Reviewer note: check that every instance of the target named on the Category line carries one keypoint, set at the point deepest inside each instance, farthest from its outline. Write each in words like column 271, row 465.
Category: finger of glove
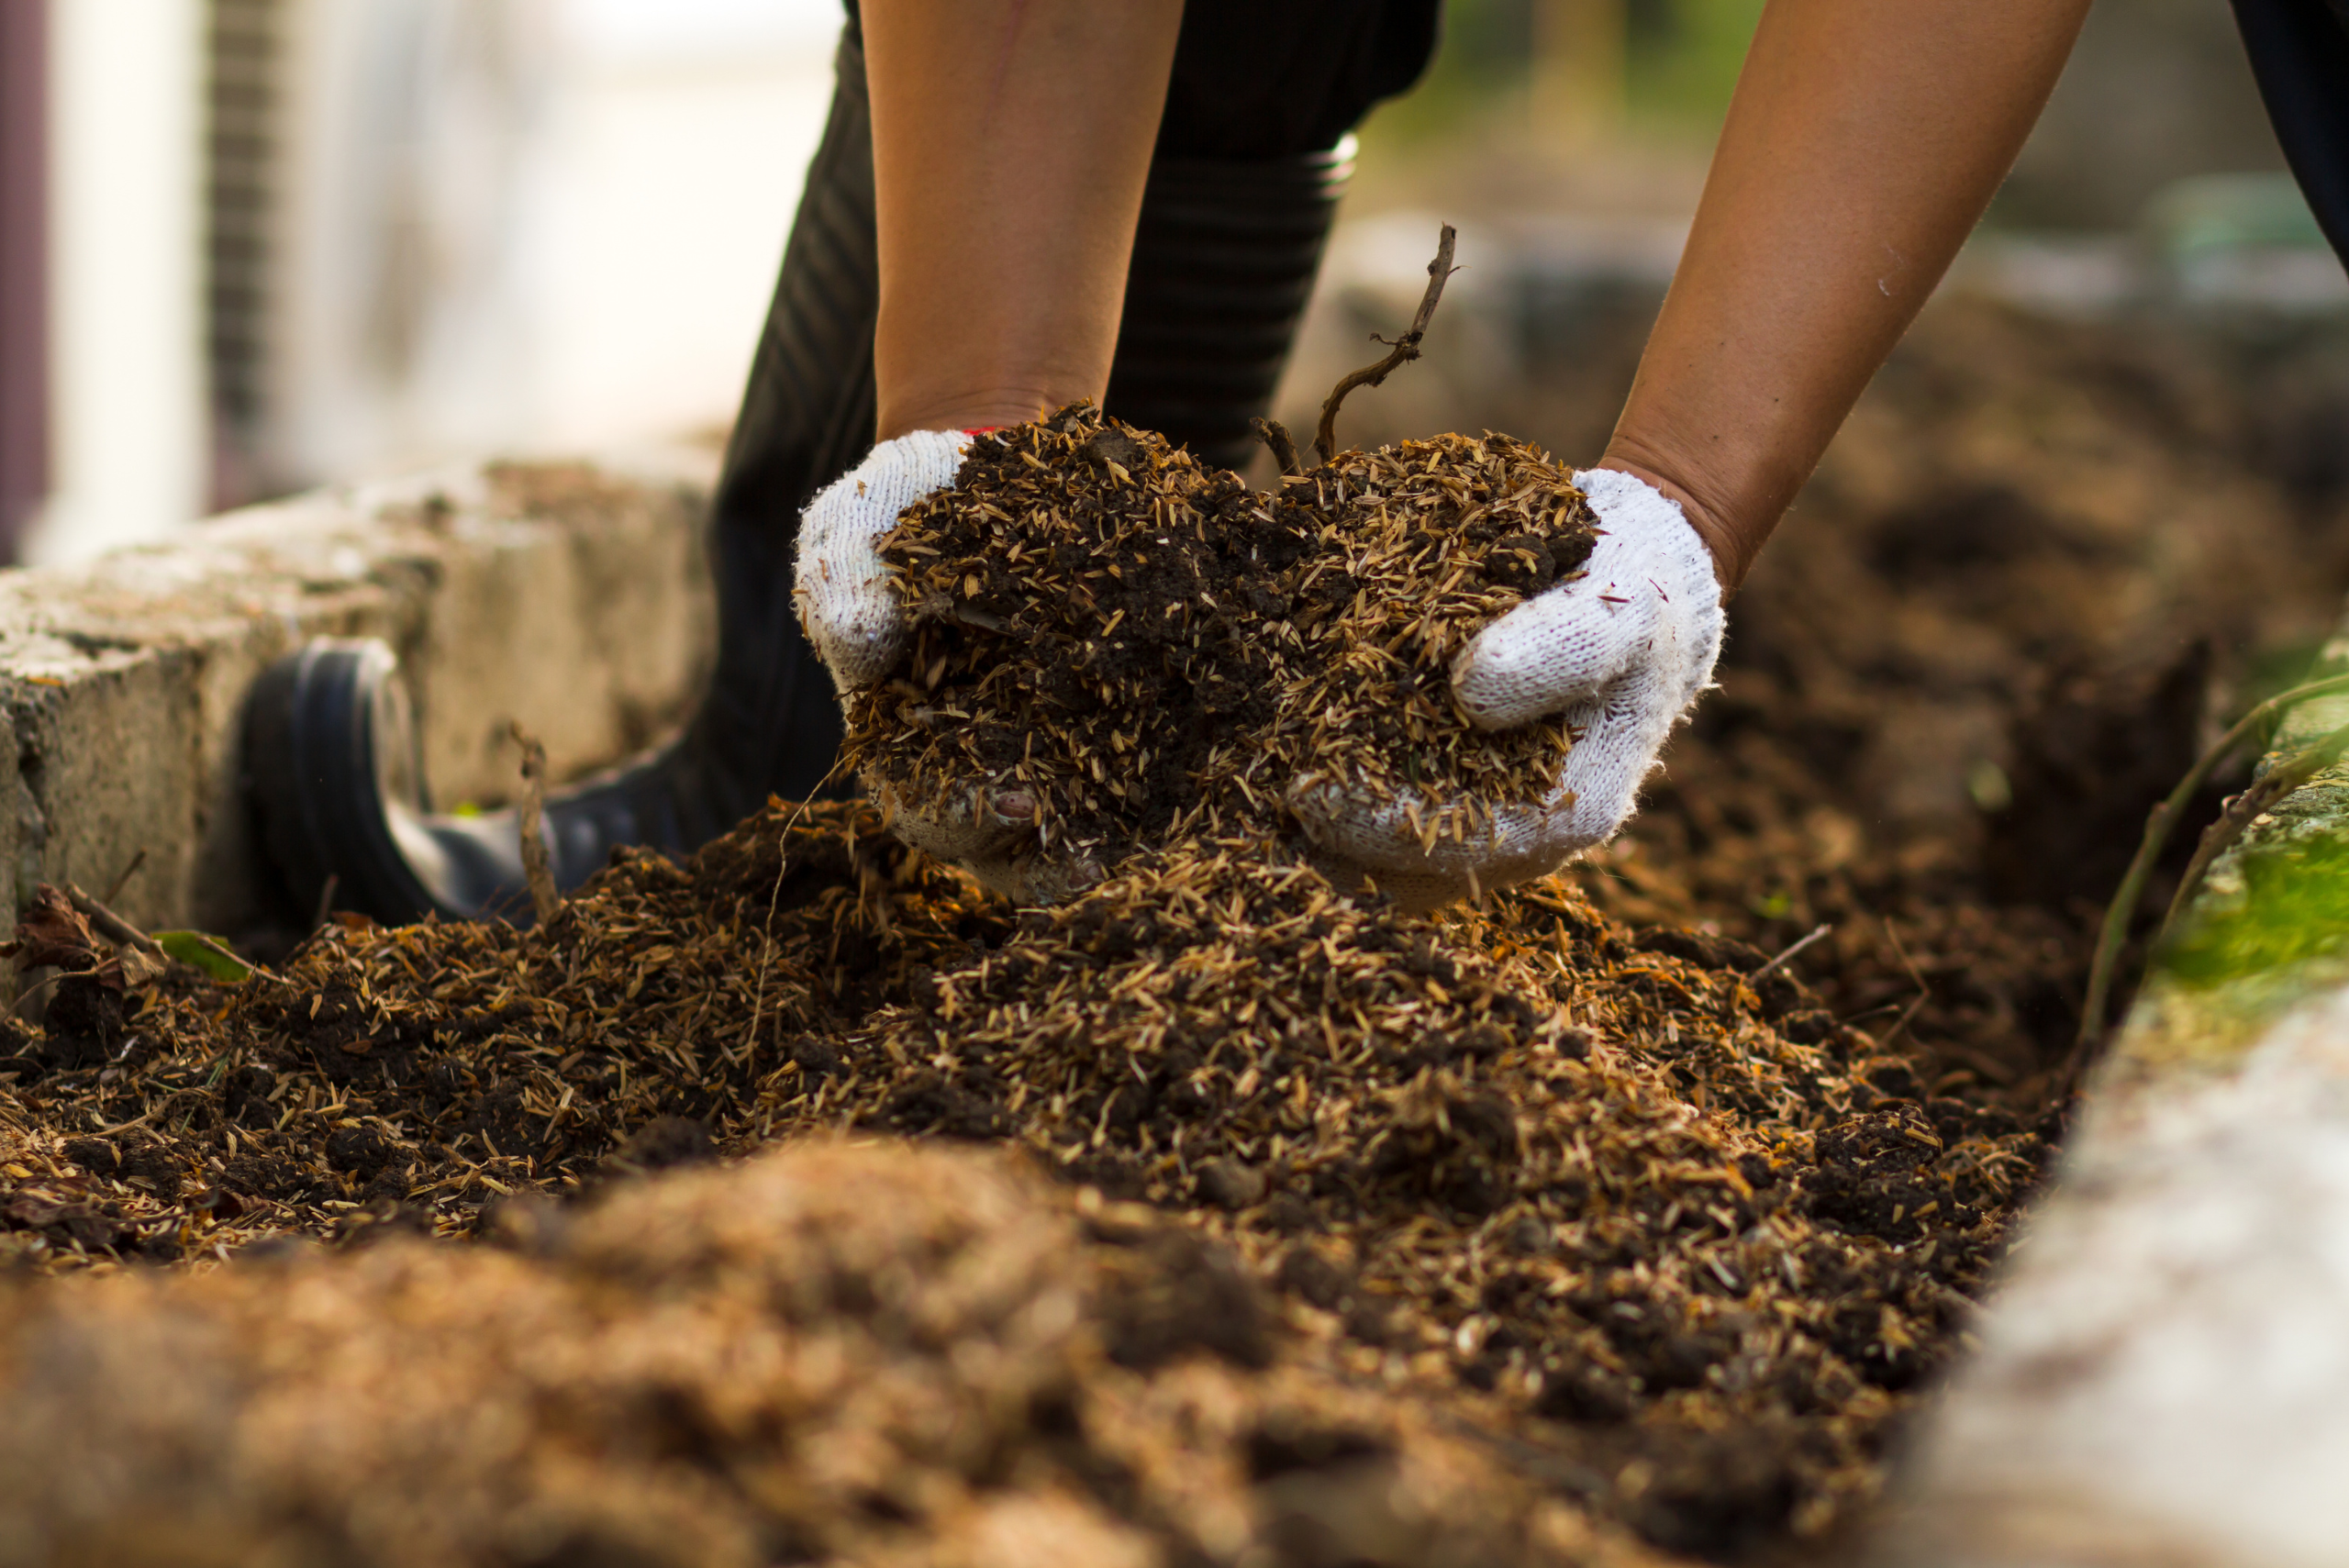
column 841, row 584
column 1554, row 651
column 1617, row 739
column 1390, row 842
column 977, row 824
column 991, row 833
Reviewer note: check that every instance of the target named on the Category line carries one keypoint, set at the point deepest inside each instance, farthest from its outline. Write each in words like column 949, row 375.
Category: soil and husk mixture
column 806, row 1203
column 1151, row 651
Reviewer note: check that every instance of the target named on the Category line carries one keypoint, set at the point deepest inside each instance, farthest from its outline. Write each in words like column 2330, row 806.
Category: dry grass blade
column 2113, row 935
column 1790, row 952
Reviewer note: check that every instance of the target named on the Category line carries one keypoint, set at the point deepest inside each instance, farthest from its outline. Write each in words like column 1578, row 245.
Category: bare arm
column 1865, row 139
column 1010, row 142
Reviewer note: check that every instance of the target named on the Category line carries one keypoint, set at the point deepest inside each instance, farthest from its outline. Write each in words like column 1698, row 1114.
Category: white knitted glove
column 991, row 833
column 859, row 632
column 1620, row 652
column 843, row 587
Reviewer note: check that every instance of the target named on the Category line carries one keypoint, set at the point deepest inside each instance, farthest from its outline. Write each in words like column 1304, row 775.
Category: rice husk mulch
column 906, row 1358
column 1660, row 1236
column 747, row 1205
column 1151, row 650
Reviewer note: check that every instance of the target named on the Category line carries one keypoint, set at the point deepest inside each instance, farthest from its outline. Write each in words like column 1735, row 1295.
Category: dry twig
column 1274, row 434
column 1784, row 958
column 122, row 878
column 111, row 926
column 545, row 899
column 1403, row 349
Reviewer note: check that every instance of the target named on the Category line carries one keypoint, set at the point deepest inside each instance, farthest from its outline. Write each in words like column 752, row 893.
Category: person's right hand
column 842, row 585
column 860, row 629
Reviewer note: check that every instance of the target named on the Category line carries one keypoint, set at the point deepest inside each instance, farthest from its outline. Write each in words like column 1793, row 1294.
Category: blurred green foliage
column 1684, row 57
column 2294, row 908
column 1681, row 64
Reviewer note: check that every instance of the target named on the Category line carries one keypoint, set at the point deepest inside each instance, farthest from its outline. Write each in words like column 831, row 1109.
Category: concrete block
column 2162, row 1376
column 569, row 595
column 107, row 762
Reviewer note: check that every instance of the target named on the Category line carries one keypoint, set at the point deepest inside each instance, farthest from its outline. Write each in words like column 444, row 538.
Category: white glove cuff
column 1630, row 505
column 842, row 585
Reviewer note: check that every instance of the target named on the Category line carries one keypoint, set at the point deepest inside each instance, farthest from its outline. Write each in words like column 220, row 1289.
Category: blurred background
column 248, row 246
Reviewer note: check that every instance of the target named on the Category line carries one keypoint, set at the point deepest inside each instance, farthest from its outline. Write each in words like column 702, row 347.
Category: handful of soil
column 1150, row 648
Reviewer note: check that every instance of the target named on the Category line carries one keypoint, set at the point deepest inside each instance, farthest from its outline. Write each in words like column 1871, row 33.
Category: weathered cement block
column 569, row 597
column 108, row 755
column 569, row 584
column 2162, row 1377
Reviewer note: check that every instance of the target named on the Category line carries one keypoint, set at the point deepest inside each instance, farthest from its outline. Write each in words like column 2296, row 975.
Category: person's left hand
column 1621, row 652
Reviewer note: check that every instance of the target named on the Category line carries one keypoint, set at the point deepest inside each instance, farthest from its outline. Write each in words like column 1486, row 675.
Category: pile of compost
column 1149, row 650
column 905, row 1358
column 808, row 1203
column 1633, row 1202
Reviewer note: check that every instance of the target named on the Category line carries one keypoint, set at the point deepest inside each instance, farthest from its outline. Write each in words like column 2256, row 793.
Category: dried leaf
column 52, row 934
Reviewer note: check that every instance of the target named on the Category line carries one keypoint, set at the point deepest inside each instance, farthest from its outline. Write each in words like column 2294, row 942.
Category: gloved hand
column 841, row 583
column 860, row 631
column 1620, row 652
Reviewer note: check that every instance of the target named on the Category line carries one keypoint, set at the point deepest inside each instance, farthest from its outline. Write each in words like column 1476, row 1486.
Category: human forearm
column 1011, row 140
column 1865, row 141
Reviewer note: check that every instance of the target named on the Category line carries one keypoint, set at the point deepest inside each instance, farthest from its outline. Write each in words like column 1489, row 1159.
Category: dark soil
column 1148, row 648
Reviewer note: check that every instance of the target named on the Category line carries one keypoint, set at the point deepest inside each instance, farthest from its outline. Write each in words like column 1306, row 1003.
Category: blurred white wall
column 492, row 225
column 681, row 133
column 128, row 429
column 531, row 223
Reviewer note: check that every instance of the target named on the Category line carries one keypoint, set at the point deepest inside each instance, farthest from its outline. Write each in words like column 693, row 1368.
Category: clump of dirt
column 831, row 1355
column 1632, row 1201
column 1149, row 649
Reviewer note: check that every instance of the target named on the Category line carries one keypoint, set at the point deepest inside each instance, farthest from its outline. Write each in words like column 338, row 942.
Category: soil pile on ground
column 905, row 1358
column 1149, row 649
column 1633, row 1203
column 1574, row 1195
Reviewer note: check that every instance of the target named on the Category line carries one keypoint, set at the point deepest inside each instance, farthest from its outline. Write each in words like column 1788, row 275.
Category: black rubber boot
column 1224, row 258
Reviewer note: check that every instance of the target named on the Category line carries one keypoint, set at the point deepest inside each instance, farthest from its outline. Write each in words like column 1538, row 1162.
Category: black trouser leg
column 2300, row 52
column 1224, row 259
column 771, row 723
